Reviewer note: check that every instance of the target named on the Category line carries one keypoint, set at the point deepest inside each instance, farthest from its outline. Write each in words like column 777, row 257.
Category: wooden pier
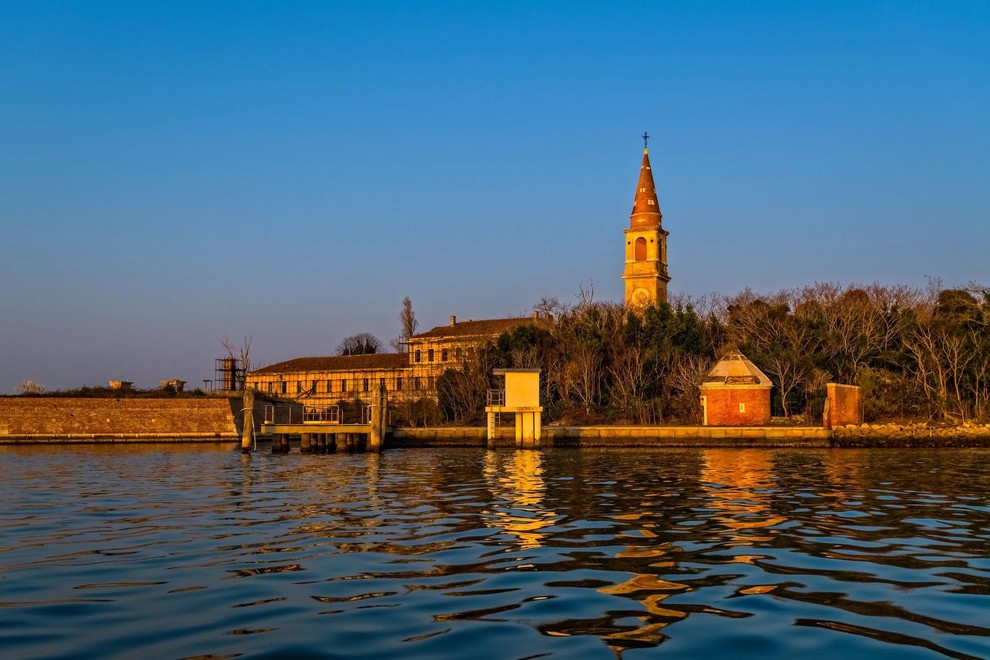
column 325, row 438
column 321, row 430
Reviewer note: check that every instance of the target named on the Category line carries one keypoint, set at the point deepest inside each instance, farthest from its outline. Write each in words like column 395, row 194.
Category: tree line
column 918, row 354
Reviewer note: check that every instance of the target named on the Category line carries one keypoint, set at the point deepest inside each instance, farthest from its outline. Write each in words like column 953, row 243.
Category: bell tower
column 646, row 244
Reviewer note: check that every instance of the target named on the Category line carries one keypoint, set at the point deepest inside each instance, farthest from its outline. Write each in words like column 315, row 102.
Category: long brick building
column 409, row 375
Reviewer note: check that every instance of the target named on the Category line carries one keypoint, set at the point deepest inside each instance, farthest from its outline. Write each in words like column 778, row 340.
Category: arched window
column 640, row 249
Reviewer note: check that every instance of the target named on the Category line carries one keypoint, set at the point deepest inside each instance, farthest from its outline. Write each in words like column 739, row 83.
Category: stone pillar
column 525, row 423
column 519, row 430
column 247, row 429
column 305, row 443
column 377, row 428
column 340, row 441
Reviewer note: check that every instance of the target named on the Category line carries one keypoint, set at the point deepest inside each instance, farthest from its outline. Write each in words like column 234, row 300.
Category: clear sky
column 174, row 172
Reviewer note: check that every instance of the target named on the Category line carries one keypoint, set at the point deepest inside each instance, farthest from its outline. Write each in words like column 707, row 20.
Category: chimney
column 453, row 320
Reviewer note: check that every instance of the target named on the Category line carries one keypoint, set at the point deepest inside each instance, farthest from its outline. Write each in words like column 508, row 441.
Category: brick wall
column 724, row 404
column 844, row 405
column 58, row 417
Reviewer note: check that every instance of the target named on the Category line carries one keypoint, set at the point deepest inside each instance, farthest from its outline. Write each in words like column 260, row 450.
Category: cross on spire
column 646, row 139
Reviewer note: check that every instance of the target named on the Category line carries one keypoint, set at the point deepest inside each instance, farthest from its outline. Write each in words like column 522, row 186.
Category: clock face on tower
column 640, row 298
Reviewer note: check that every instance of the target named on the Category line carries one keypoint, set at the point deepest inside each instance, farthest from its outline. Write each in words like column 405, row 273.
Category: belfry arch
column 640, row 249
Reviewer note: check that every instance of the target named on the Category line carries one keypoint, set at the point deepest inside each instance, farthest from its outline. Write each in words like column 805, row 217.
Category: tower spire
column 646, row 206
column 645, row 274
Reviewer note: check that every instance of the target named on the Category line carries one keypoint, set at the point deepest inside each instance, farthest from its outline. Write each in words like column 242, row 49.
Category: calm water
column 199, row 551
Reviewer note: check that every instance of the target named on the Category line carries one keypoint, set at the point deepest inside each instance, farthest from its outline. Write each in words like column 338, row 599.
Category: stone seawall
column 37, row 420
column 622, row 436
column 865, row 435
column 53, row 419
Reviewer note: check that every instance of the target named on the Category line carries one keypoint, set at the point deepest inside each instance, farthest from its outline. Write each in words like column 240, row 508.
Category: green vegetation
column 921, row 355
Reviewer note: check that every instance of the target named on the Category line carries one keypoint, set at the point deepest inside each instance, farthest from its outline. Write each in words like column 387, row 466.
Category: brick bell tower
column 646, row 244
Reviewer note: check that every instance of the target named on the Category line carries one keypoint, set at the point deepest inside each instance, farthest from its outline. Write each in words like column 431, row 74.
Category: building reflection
column 516, row 482
column 737, row 484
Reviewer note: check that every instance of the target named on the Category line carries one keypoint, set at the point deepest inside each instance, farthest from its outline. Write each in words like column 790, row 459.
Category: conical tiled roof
column 736, row 369
column 646, row 206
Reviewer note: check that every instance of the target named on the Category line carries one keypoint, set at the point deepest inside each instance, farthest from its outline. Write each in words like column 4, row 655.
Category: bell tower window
column 640, row 249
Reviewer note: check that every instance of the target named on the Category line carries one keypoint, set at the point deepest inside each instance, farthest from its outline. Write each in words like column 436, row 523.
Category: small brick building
column 735, row 393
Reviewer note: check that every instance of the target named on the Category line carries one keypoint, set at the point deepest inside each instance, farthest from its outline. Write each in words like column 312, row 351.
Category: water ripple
column 197, row 551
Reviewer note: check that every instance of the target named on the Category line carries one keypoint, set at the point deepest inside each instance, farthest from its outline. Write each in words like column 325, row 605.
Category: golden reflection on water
column 737, row 484
column 517, row 478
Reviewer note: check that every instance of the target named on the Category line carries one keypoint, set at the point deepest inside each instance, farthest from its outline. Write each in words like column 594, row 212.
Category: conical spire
column 646, row 207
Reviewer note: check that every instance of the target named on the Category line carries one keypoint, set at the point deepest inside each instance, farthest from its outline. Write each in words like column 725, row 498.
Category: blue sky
column 171, row 173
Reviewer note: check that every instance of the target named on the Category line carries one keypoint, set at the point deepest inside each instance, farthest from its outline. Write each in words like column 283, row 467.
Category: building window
column 329, row 385
column 417, row 383
column 271, row 387
column 417, row 356
column 285, row 387
column 429, row 355
column 443, row 355
column 398, row 383
column 299, row 386
column 640, row 249
column 365, row 384
column 343, row 385
column 314, row 386
column 742, row 407
column 457, row 353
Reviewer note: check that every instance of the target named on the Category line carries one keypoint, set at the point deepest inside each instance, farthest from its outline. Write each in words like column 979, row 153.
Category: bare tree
column 241, row 355
column 630, row 372
column 940, row 359
column 408, row 325
column 363, row 343
column 462, row 391
column 781, row 341
column 686, row 376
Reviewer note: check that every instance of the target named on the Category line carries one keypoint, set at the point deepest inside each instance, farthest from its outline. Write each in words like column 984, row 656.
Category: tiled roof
column 736, row 369
column 490, row 327
column 338, row 363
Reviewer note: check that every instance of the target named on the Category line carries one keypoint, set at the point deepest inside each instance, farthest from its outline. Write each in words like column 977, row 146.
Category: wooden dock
column 321, row 430
column 320, row 438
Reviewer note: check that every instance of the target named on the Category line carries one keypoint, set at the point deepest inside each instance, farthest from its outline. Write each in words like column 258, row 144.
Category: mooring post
column 377, row 419
column 305, row 443
column 247, row 426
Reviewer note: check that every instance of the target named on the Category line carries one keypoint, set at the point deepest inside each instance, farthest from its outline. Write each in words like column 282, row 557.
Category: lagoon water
column 181, row 551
